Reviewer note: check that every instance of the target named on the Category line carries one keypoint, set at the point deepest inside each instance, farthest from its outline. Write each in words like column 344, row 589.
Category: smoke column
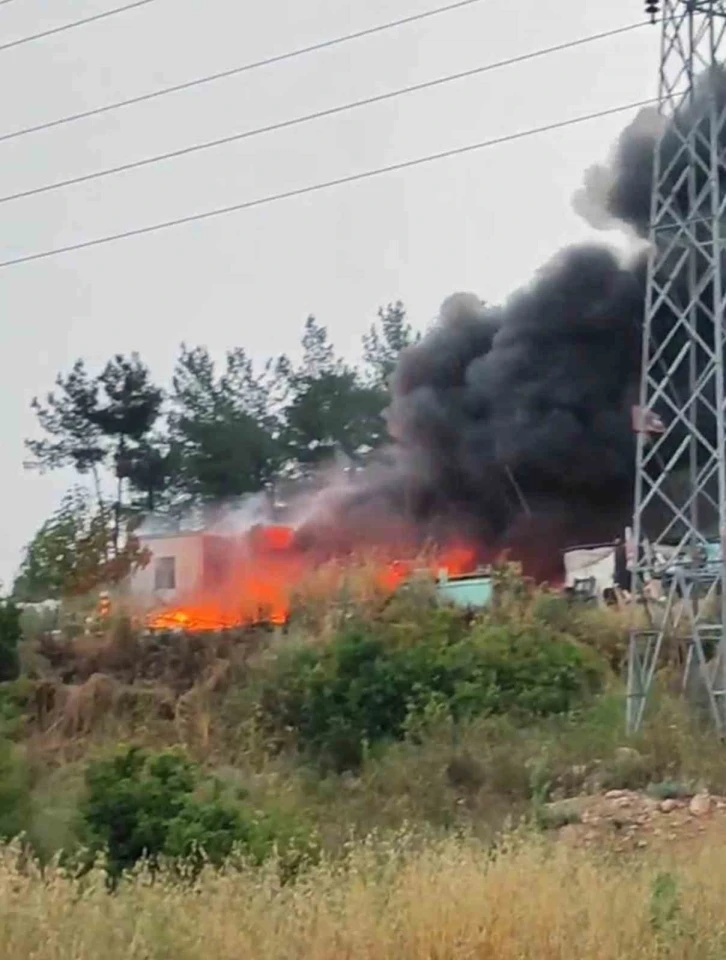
column 512, row 425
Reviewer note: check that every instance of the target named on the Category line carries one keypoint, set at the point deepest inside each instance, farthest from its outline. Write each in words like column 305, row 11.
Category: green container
column 472, row 591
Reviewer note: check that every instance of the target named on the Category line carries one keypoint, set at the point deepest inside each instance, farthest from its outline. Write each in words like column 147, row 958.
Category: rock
column 700, row 804
column 668, row 806
column 627, row 755
column 615, row 794
column 622, row 802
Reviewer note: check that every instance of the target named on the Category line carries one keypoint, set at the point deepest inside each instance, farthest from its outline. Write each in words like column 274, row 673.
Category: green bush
column 366, row 685
column 524, row 669
column 152, row 806
column 10, row 634
column 15, row 696
column 14, row 792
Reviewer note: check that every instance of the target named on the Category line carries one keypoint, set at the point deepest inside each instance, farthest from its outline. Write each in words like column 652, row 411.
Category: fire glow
column 256, row 578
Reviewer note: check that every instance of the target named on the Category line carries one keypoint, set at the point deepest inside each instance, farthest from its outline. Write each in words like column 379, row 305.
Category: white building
column 193, row 553
column 176, row 567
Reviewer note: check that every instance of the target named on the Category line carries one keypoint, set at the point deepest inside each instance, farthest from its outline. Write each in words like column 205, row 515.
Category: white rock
column 700, row 804
column 667, row 806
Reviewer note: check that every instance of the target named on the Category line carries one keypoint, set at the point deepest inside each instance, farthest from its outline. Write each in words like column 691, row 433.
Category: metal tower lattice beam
column 680, row 491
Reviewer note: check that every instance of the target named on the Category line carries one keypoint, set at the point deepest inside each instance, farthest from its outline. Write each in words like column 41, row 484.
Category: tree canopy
column 74, row 551
column 223, row 428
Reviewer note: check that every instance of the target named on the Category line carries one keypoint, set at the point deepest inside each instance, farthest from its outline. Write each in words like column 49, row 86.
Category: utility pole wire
column 73, row 24
column 325, row 185
column 235, row 71
column 308, row 117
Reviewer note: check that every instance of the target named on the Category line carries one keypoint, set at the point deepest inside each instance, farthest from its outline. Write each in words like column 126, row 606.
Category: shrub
column 524, row 669
column 152, row 806
column 669, row 790
column 14, row 700
column 366, row 685
column 14, row 792
column 604, row 629
column 10, row 634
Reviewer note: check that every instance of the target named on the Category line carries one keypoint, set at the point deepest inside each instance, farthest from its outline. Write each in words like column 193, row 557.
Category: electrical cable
column 307, row 118
column 73, row 24
column 234, row 71
column 325, row 185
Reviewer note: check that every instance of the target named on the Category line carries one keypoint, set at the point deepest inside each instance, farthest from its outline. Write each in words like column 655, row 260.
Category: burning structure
column 253, row 578
column 217, row 579
column 511, row 426
column 515, row 424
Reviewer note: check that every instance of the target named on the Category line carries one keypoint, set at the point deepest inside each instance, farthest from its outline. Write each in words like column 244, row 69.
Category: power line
column 325, row 185
column 307, row 118
column 234, row 71
column 73, row 24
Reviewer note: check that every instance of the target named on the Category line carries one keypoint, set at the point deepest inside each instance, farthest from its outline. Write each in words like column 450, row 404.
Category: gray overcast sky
column 479, row 222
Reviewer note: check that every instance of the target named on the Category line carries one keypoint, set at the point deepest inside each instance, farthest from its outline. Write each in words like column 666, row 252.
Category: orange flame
column 259, row 574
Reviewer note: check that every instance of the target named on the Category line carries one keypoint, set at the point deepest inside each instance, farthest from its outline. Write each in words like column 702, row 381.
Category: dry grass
column 333, row 592
column 530, row 901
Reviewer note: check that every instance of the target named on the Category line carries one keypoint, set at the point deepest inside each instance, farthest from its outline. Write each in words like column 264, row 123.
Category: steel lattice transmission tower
column 679, row 574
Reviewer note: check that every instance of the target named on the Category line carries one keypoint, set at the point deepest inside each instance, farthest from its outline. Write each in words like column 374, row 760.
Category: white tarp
column 584, row 562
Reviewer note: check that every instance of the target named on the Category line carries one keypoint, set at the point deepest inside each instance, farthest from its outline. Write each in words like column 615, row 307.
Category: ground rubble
column 631, row 819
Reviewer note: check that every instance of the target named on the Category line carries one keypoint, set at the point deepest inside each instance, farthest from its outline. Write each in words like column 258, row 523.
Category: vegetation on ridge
column 376, row 752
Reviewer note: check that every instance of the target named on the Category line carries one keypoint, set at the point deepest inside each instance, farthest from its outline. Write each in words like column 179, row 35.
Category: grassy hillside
column 341, row 787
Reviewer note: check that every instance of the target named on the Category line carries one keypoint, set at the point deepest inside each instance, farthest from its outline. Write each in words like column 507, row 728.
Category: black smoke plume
column 511, row 425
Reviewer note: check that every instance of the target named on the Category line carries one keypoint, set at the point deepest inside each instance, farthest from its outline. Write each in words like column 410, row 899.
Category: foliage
column 10, row 635
column 129, row 404
column 224, row 428
column 103, row 421
column 330, row 409
column 606, row 630
column 384, row 342
column 669, row 790
column 149, row 466
column 148, row 805
column 223, row 431
column 73, row 439
column 14, row 791
column 76, row 550
column 665, row 907
column 366, row 685
column 15, row 695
